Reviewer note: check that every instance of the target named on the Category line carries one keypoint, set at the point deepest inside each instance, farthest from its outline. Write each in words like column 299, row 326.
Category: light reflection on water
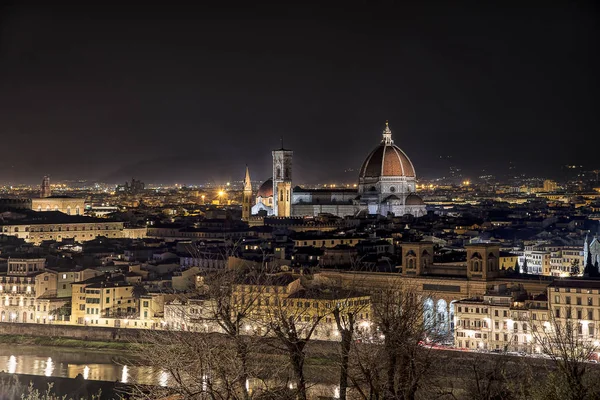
column 38, row 360
column 102, row 366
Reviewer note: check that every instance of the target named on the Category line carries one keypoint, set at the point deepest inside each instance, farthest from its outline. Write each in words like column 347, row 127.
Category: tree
column 404, row 325
column 563, row 341
column 517, row 268
column 293, row 325
column 588, row 270
column 346, row 315
column 575, row 271
column 525, row 272
column 139, row 291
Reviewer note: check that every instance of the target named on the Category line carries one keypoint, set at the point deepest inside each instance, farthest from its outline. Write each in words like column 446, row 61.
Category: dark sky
column 177, row 94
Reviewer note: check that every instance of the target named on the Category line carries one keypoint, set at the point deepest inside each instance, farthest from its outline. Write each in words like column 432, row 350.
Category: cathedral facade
column 386, row 186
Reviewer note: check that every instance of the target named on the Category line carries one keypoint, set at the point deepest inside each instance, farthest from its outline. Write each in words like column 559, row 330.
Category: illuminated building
column 247, row 196
column 45, row 188
column 386, row 185
column 64, row 204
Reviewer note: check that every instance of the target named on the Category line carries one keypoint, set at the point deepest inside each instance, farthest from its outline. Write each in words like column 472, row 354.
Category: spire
column 247, row 182
column 387, row 134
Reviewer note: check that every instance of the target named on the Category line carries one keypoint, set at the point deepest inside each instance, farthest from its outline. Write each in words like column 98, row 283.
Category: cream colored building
column 577, row 301
column 64, row 204
column 498, row 322
column 28, row 292
column 80, row 230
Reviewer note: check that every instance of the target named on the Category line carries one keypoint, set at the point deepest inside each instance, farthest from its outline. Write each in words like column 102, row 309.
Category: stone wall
column 70, row 331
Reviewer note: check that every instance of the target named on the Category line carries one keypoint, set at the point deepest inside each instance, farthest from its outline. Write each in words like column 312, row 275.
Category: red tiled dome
column 414, row 200
column 266, row 189
column 387, row 160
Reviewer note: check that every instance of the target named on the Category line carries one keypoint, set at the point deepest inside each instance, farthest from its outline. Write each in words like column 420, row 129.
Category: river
column 63, row 362
column 100, row 365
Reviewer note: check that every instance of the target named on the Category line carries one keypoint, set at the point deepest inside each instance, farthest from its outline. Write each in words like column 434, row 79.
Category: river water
column 68, row 363
column 101, row 365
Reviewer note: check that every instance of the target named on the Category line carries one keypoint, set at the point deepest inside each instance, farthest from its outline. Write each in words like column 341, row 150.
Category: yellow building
column 508, row 260
column 64, row 204
column 28, row 291
column 80, row 229
column 282, row 295
column 550, row 186
column 98, row 301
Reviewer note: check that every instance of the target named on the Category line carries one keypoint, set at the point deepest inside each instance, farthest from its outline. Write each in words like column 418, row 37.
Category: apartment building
column 576, row 302
column 500, row 320
column 28, row 292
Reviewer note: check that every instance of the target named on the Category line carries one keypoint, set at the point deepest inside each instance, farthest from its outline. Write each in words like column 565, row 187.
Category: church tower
column 247, row 197
column 45, row 188
column 282, row 182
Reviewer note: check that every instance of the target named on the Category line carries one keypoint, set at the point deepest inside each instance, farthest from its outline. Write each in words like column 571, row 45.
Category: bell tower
column 416, row 258
column 282, row 182
column 247, row 196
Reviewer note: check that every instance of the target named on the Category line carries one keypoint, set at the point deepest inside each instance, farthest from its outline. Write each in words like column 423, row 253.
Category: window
column 557, row 312
column 578, row 301
column 495, row 313
column 590, row 301
column 579, row 314
column 568, row 299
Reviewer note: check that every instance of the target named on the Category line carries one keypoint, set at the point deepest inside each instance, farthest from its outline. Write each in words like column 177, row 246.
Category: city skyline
column 195, row 95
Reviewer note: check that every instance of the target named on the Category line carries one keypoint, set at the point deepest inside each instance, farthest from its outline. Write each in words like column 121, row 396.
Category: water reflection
column 104, row 366
column 124, row 374
column 12, row 364
column 47, row 361
column 49, row 367
column 163, row 379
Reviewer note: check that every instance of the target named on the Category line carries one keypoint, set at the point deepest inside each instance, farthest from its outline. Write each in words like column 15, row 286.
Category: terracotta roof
column 414, row 200
column 387, row 160
column 266, row 189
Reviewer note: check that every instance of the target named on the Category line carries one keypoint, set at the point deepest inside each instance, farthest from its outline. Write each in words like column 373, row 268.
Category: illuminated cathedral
column 386, row 186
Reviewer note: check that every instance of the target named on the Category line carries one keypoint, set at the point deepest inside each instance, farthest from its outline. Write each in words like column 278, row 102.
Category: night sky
column 175, row 94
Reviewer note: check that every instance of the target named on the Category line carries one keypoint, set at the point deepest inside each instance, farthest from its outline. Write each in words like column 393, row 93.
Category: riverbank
column 63, row 342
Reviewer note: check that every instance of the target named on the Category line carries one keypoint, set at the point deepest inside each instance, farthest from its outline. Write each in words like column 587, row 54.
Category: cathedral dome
column 387, row 159
column 414, row 200
column 266, row 189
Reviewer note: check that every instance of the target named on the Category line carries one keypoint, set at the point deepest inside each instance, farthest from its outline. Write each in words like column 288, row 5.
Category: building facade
column 386, row 186
column 64, row 204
